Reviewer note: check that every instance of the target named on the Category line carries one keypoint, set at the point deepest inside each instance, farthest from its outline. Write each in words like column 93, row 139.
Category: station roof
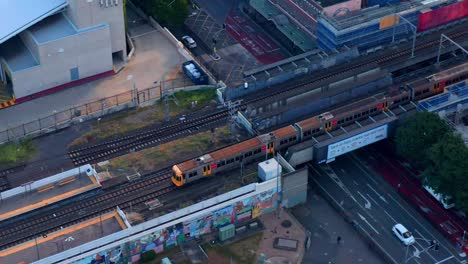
column 18, row 15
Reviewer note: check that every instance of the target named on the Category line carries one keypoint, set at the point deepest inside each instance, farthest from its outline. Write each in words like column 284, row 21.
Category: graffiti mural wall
column 172, row 236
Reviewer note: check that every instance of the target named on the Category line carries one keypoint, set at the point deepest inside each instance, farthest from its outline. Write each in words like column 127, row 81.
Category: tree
column 417, row 135
column 447, row 169
column 171, row 12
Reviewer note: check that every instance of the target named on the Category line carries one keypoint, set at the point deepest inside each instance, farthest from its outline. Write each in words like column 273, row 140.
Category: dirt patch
column 154, row 115
column 240, row 252
column 166, row 154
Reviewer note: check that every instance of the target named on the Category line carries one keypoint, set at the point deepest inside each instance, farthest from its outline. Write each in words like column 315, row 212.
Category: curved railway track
column 151, row 186
column 140, row 140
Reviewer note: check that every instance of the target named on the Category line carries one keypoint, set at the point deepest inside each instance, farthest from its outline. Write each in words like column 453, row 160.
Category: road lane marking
column 445, row 259
column 393, row 219
column 143, row 34
column 360, row 166
column 367, row 205
column 423, row 227
column 367, row 222
column 377, row 193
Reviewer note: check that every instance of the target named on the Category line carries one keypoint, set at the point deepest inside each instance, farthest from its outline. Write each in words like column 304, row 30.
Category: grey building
column 49, row 45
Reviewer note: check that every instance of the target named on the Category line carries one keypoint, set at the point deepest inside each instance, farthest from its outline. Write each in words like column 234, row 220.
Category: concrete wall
column 29, row 42
column 89, row 51
column 180, row 226
column 294, row 188
column 88, row 13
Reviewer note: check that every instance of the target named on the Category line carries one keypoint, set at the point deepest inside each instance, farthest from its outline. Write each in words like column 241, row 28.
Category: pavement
column 325, row 225
column 375, row 207
column 150, row 63
column 274, row 229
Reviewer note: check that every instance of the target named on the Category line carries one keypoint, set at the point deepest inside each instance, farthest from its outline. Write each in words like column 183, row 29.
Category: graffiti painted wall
column 163, row 239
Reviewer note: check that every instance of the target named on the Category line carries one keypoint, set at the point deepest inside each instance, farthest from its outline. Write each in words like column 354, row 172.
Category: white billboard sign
column 357, row 141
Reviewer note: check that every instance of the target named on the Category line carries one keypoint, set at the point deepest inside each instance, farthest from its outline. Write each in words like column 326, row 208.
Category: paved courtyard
column 150, row 63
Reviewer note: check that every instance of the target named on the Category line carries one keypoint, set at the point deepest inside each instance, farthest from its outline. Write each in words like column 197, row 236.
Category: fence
column 95, row 109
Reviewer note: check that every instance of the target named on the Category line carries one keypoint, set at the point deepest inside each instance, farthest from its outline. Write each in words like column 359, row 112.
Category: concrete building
column 375, row 26
column 49, row 45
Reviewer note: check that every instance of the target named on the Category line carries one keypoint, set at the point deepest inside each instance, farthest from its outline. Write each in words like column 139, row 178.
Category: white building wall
column 88, row 51
column 88, row 13
column 29, row 42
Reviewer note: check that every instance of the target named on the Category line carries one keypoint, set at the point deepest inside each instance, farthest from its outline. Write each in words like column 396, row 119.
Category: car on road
column 403, row 234
column 189, row 42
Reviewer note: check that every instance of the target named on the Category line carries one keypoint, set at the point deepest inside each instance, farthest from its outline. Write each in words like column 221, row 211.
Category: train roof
column 449, row 72
column 309, row 123
column 236, row 149
column 355, row 105
column 187, row 165
column 440, row 75
column 283, row 132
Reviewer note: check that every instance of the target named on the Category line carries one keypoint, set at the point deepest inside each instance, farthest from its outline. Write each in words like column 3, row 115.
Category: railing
column 87, row 111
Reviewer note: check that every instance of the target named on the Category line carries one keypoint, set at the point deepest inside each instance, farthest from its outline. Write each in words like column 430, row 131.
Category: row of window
column 310, row 132
column 458, row 79
column 287, row 140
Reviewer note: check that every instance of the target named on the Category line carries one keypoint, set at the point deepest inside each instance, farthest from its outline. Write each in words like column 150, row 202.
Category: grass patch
column 243, row 251
column 13, row 153
column 156, row 157
column 129, row 120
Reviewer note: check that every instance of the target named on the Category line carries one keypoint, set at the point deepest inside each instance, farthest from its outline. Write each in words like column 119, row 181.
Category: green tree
column 447, row 169
column 170, row 12
column 418, row 134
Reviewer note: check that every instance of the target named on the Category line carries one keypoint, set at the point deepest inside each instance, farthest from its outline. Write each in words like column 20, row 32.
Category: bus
column 446, row 200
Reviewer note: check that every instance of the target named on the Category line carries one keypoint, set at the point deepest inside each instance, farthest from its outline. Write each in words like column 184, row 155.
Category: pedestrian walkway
column 29, row 199
column 66, row 238
column 326, row 226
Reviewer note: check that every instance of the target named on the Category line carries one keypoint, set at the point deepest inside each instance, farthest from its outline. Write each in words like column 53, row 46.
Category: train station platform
column 64, row 239
column 34, row 195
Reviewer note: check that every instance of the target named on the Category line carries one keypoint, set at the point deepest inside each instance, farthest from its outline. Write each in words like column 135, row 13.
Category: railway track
column 149, row 187
column 156, row 184
column 134, row 142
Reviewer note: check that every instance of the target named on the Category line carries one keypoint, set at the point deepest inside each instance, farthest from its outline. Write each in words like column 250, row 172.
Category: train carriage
column 217, row 161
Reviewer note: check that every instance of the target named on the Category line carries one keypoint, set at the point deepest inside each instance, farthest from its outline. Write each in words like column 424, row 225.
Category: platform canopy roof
column 17, row 15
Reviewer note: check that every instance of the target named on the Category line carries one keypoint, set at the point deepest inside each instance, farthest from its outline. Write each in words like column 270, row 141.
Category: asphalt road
column 218, row 9
column 376, row 207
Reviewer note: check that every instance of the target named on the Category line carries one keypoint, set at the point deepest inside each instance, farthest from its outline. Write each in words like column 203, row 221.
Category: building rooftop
column 372, row 13
column 16, row 55
column 32, row 11
column 52, row 28
column 283, row 23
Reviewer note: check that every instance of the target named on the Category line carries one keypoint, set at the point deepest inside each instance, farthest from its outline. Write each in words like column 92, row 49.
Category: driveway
column 155, row 58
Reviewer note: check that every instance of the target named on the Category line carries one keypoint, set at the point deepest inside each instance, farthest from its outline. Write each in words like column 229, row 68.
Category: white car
column 403, row 234
column 189, row 42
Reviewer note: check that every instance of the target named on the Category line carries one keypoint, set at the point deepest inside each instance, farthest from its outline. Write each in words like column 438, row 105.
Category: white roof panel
column 17, row 15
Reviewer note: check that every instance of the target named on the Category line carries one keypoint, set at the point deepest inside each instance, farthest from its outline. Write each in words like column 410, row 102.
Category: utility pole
column 413, row 28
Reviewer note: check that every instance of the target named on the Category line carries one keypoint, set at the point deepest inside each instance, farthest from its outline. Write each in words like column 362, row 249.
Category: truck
column 194, row 72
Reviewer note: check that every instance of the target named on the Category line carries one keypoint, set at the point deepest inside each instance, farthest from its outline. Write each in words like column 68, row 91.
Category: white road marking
column 445, row 259
column 367, row 205
column 143, row 34
column 355, row 183
column 388, row 254
column 360, row 166
column 393, row 219
column 367, row 222
column 377, row 193
column 404, row 209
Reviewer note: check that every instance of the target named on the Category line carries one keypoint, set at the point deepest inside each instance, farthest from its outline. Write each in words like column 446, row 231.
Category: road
column 376, row 207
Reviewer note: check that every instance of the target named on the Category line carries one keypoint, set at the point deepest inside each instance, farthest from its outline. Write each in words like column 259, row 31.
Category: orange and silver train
column 258, row 147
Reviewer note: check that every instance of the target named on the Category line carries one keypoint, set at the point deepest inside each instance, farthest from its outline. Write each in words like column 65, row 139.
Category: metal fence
column 95, row 109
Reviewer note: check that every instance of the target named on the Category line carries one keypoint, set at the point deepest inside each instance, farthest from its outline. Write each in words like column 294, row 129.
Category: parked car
column 403, row 234
column 189, row 42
